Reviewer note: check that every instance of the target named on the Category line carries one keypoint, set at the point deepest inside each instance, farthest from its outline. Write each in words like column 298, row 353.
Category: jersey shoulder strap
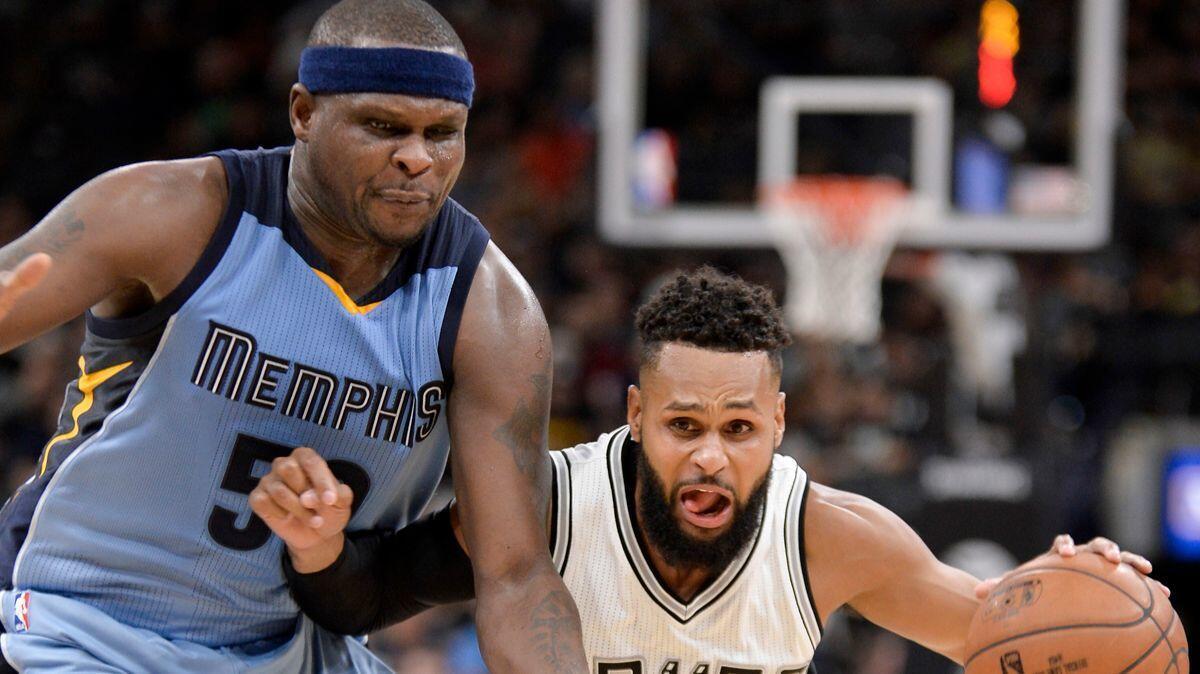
column 560, row 511
column 797, row 565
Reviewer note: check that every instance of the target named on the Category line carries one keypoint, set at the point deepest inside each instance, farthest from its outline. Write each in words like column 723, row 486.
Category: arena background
column 1106, row 390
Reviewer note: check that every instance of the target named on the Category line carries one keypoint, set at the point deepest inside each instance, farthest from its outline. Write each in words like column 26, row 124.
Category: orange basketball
column 1083, row 615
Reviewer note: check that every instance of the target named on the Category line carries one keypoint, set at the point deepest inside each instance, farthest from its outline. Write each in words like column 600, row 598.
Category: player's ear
column 780, row 407
column 300, row 109
column 633, row 412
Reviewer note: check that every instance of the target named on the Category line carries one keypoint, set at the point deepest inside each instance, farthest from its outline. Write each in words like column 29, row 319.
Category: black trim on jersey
column 154, row 317
column 570, row 518
column 455, row 238
column 788, row 558
column 804, row 560
column 560, row 510
column 98, row 354
column 457, row 301
column 553, row 507
column 440, row 245
column 15, row 519
column 621, row 489
column 613, row 491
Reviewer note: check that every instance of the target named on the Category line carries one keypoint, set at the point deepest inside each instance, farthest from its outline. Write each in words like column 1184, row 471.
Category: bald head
column 413, row 23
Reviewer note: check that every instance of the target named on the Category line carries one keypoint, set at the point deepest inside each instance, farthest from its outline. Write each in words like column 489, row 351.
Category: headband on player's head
column 387, row 70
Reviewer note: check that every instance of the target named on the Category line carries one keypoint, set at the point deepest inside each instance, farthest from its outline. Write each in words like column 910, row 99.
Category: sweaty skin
column 368, row 172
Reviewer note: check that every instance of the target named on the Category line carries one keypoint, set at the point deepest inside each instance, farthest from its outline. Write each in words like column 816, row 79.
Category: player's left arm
column 499, row 414
column 888, row 574
column 863, row 556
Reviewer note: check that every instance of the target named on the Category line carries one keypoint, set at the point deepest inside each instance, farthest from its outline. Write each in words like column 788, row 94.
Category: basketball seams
column 1175, row 659
column 1162, row 637
column 1165, row 631
column 1148, row 611
column 1046, row 630
column 1175, row 652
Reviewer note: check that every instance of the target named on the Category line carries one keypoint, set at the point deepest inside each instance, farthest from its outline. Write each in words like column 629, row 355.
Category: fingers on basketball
column 1063, row 545
column 1076, row 614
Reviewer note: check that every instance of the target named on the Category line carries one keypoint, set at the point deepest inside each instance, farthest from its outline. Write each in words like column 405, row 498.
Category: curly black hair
column 712, row 310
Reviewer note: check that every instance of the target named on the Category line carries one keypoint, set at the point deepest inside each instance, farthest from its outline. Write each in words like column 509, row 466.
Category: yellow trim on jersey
column 340, row 293
column 88, row 382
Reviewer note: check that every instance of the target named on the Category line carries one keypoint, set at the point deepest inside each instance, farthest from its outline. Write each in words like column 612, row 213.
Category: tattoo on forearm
column 59, row 235
column 525, row 431
column 554, row 626
column 68, row 231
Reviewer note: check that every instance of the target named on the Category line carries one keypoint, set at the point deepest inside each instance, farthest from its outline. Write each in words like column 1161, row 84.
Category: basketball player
column 242, row 304
column 688, row 544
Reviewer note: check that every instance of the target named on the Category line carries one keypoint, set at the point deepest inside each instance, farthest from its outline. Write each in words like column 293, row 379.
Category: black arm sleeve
column 383, row 577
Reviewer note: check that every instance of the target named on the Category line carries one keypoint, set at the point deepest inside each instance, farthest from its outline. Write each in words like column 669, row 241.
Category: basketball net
column 835, row 234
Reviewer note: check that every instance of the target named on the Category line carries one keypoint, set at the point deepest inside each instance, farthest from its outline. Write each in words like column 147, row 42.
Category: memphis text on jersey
column 230, row 365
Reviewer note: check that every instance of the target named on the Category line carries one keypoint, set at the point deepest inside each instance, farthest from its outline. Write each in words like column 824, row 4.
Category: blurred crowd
column 93, row 84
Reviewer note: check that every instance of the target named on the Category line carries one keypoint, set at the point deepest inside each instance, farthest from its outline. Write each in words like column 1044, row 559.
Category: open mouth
column 706, row 506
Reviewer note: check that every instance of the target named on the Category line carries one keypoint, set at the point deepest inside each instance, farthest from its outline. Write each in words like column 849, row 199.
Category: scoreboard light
column 999, row 42
column 1181, row 504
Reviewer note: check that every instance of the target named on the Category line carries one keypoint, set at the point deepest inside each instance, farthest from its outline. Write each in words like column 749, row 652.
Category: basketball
column 1082, row 614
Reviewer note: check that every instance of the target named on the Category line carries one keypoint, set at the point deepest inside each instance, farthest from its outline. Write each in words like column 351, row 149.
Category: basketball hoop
column 835, row 234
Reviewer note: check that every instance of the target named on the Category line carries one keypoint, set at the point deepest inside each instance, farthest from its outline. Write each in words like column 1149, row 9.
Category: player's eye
column 442, row 132
column 380, row 125
column 682, row 425
column 740, row 427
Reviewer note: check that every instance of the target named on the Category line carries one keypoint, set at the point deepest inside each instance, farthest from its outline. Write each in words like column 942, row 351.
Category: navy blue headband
column 387, row 70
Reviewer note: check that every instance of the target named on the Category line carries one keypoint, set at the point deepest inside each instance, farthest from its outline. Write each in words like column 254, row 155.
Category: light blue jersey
column 139, row 508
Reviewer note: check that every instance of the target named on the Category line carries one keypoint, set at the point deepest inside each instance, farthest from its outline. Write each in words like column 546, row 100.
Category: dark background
column 1114, row 335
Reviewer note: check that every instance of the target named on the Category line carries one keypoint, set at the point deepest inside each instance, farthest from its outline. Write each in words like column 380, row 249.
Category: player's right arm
column 362, row 581
column 118, row 244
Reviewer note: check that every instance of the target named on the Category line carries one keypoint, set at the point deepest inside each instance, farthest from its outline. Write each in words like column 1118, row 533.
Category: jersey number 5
column 240, row 479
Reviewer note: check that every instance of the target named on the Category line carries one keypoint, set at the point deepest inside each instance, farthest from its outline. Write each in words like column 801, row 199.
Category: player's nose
column 411, row 156
column 710, row 455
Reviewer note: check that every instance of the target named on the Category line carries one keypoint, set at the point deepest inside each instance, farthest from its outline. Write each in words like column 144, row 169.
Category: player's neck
column 684, row 583
column 357, row 263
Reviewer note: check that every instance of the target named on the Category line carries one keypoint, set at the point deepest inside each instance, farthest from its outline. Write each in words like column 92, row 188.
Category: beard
column 680, row 549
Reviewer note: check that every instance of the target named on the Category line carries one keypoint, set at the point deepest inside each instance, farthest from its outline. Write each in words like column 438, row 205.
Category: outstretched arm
column 862, row 555
column 499, row 412
column 118, row 243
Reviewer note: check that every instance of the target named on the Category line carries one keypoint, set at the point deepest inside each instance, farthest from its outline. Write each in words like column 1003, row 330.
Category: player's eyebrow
column 393, row 115
column 747, row 404
column 679, row 406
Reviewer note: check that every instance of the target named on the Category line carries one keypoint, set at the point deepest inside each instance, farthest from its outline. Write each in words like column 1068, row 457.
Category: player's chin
column 400, row 229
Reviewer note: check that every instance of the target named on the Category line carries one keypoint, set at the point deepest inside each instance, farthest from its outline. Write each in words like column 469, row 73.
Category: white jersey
column 756, row 618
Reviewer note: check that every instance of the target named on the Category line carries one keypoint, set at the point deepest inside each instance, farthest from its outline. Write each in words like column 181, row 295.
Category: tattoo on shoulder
column 554, row 629
column 525, row 431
